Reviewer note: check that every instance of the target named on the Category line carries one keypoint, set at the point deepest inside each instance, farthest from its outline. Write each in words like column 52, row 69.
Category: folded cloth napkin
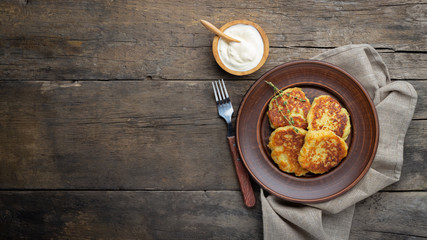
column 395, row 103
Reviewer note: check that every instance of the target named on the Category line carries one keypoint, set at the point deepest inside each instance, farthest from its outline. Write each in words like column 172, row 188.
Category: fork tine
column 222, row 91
column 219, row 91
column 216, row 96
column 225, row 90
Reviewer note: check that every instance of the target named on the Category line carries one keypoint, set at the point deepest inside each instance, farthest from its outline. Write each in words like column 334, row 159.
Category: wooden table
column 108, row 127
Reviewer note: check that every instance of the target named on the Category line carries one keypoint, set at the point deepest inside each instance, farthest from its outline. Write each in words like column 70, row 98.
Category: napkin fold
column 395, row 104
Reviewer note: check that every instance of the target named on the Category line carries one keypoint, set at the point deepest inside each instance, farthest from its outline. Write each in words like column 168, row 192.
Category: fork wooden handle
column 242, row 174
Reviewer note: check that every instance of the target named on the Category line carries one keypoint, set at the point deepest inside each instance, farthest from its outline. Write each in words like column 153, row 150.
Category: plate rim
column 375, row 139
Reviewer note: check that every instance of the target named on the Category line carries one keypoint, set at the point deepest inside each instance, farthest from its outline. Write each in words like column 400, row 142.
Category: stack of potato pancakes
column 307, row 137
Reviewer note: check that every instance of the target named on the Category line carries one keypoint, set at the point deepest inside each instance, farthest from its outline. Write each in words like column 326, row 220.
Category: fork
column 225, row 110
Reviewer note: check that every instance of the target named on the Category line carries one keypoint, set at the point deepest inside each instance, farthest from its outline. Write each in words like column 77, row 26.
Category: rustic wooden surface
column 109, row 129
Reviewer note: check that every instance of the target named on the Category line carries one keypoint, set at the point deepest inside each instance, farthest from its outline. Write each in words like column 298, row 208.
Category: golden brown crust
column 285, row 144
column 322, row 151
column 293, row 104
column 326, row 113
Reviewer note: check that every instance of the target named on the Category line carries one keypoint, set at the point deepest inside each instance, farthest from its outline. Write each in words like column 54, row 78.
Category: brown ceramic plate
column 315, row 78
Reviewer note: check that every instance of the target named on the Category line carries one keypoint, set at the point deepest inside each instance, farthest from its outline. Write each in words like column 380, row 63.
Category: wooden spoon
column 218, row 32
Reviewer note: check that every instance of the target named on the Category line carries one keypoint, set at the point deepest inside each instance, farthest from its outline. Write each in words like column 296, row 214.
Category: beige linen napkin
column 395, row 103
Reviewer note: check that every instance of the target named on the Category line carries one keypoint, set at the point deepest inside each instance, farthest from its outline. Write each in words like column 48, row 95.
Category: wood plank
column 290, row 23
column 182, row 215
column 401, row 65
column 198, row 64
column 391, row 216
column 162, row 135
column 421, row 107
column 113, row 135
column 139, row 40
column 127, row 215
column 414, row 155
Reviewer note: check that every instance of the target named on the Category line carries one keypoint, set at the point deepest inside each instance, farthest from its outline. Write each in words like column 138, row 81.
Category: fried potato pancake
column 326, row 113
column 289, row 108
column 322, row 150
column 285, row 144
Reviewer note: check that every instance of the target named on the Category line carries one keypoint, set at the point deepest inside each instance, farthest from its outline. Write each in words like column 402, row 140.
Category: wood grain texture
column 149, row 39
column 182, row 215
column 78, row 127
column 371, row 214
column 113, row 135
column 127, row 215
column 119, row 135
column 143, row 155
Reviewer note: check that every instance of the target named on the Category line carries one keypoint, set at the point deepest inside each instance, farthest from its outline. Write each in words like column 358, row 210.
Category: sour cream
column 244, row 55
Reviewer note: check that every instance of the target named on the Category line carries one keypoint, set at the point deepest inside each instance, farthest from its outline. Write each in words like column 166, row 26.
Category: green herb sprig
column 280, row 93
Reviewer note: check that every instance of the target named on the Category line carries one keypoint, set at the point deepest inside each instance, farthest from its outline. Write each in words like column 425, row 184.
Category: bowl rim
column 264, row 40
column 337, row 193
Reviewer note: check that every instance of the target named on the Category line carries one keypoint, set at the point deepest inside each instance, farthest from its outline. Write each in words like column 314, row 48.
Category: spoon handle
column 218, row 32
